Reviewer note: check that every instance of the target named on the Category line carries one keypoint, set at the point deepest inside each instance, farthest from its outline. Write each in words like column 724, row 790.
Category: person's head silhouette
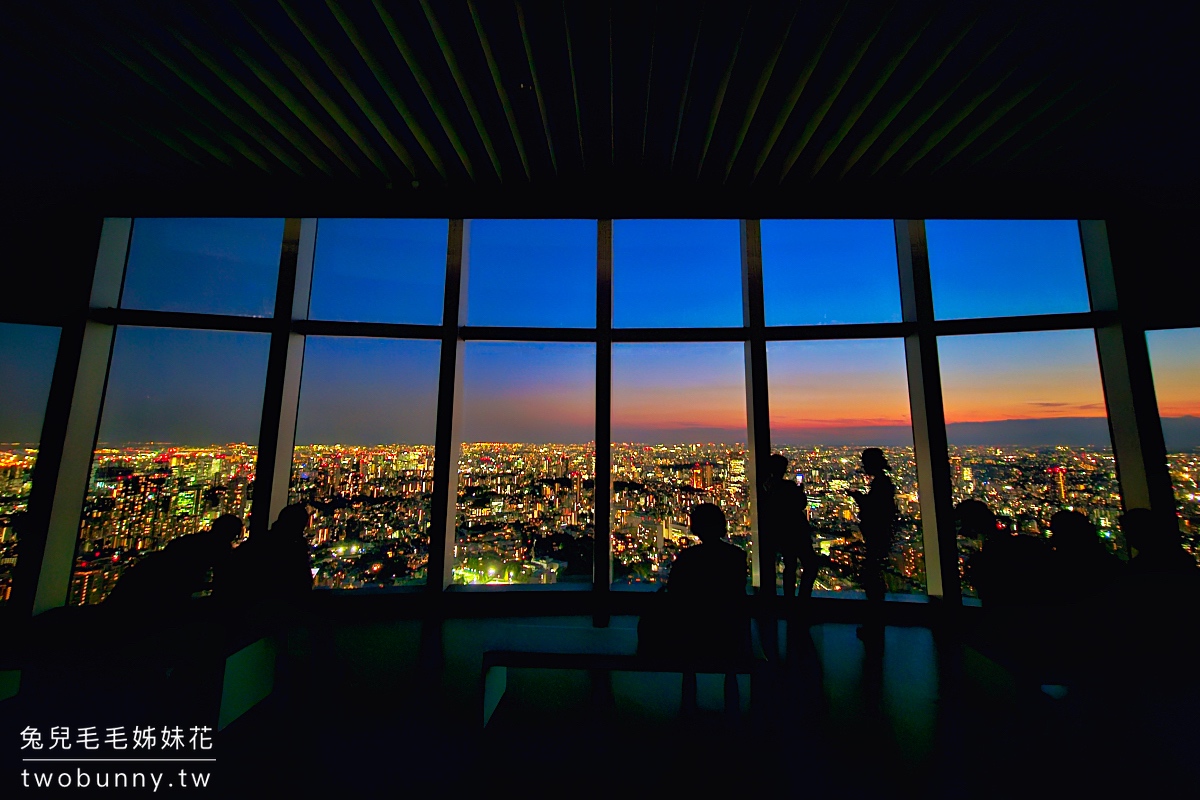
column 227, row 527
column 776, row 467
column 293, row 520
column 874, row 462
column 1072, row 533
column 708, row 523
column 975, row 520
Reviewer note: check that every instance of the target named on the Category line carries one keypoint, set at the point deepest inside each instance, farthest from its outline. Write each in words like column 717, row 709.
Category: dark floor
column 911, row 715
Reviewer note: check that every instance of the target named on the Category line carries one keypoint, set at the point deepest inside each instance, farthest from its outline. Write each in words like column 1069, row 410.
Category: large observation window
column 27, row 355
column 203, row 266
column 532, row 273
column 826, row 271
column 1028, row 435
column 177, row 446
column 380, row 270
column 679, row 439
column 671, row 273
column 439, row 444
column 1000, row 268
column 830, row 400
column 526, row 473
column 363, row 458
column 1175, row 359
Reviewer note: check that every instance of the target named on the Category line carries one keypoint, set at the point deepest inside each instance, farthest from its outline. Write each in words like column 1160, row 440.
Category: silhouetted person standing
column 876, row 522
column 705, row 610
column 784, row 529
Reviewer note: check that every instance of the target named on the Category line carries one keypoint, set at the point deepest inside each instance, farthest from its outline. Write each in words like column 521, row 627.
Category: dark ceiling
column 476, row 107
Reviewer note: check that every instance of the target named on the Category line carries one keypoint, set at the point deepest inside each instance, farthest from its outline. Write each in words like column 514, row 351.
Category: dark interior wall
column 46, row 265
column 1157, row 267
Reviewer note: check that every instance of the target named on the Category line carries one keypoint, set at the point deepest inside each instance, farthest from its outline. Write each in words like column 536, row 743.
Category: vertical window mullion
column 277, row 432
column 602, row 491
column 930, row 446
column 1133, row 421
column 69, row 433
column 758, row 420
column 438, row 573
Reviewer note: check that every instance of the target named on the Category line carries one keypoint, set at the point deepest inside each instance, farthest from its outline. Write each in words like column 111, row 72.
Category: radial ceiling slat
column 501, row 91
column 706, row 100
column 463, row 85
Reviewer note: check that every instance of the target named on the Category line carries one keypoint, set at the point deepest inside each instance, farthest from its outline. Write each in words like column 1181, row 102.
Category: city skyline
column 526, row 514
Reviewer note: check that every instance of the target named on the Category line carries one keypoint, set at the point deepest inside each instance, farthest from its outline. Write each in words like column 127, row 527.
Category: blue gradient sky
column 1047, row 375
column 200, row 388
column 820, row 271
column 993, row 268
column 676, row 273
column 368, row 391
column 211, row 266
column 679, row 392
column 380, row 270
column 184, row 387
column 528, row 392
column 839, row 392
column 534, row 273
column 27, row 354
column 1175, row 359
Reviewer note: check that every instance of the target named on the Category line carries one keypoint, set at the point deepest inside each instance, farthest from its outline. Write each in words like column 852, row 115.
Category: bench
column 496, row 664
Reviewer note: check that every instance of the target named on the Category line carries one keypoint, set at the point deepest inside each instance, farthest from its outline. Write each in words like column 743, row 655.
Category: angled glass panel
column 203, row 266
column 674, row 273
column 826, row 271
column 1028, row 435
column 380, row 270
column 27, row 354
column 679, row 439
column 830, row 400
column 176, row 449
column 532, row 273
column 364, row 458
column 999, row 268
column 526, row 471
column 1175, row 359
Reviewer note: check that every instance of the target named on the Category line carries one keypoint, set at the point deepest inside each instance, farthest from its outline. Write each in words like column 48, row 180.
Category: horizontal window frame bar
column 181, row 319
column 855, row 330
column 373, row 330
column 388, row 330
column 1030, row 323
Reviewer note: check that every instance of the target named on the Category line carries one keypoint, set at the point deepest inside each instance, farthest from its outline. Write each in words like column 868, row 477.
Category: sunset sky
column 204, row 387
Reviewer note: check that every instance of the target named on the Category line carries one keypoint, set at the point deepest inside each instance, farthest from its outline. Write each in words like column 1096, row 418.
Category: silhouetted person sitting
column 272, row 566
column 784, row 529
column 1159, row 550
column 876, row 522
column 1009, row 570
column 164, row 581
column 705, row 615
column 1083, row 566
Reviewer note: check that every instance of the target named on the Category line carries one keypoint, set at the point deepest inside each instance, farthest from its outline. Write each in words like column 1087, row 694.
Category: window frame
column 85, row 350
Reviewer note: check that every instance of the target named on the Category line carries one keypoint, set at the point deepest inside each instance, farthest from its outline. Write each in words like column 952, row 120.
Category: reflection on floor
column 914, row 714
